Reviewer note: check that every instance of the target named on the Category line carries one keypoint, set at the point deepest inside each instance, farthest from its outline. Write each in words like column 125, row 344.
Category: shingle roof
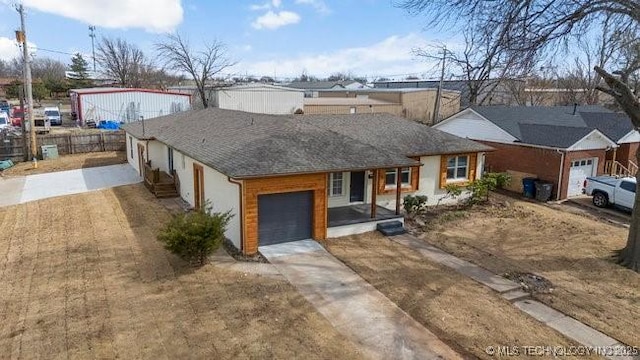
column 555, row 126
column 396, row 134
column 243, row 145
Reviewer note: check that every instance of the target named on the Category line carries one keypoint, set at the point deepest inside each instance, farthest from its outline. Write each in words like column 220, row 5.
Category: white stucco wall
column 222, row 194
column 429, row 183
column 132, row 144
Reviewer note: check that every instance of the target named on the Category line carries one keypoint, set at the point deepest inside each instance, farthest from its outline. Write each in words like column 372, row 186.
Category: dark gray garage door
column 284, row 217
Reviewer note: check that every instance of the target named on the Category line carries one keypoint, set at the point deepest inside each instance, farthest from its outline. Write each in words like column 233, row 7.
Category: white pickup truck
column 611, row 190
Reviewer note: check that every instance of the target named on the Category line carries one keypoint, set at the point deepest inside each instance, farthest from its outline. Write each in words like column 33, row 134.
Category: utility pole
column 25, row 144
column 22, row 38
column 92, row 35
column 436, row 110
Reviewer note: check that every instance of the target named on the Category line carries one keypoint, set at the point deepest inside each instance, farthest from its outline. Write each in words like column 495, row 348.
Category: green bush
column 195, row 235
column 414, row 205
column 453, row 191
column 480, row 188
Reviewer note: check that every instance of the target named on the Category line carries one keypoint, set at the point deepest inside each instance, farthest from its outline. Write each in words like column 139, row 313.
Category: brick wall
column 544, row 163
column 627, row 152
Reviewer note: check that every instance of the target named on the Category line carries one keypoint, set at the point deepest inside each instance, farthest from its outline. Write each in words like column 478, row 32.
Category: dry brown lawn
column 83, row 277
column 463, row 313
column 68, row 162
column 572, row 251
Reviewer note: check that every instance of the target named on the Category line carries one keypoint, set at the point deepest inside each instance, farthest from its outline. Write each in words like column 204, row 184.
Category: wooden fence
column 11, row 146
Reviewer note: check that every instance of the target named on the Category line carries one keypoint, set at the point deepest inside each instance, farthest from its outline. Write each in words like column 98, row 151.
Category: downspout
column 240, row 211
column 559, row 190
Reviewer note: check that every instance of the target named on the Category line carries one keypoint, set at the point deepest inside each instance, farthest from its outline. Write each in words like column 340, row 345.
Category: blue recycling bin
column 529, row 187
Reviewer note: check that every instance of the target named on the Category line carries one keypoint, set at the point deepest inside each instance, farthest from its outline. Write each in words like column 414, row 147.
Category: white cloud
column 389, row 57
column 9, row 48
column 319, row 5
column 151, row 15
column 272, row 20
column 266, row 6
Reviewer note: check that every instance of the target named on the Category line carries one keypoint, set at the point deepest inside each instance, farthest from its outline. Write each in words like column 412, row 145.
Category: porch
column 357, row 219
column 355, row 214
column 161, row 184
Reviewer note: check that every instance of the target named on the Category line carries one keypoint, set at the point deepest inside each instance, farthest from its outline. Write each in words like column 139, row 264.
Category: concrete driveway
column 354, row 307
column 19, row 190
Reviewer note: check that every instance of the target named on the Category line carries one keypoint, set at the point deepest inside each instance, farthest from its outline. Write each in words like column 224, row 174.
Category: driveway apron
column 353, row 306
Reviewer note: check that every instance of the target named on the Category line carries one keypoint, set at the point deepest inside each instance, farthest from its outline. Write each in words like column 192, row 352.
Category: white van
column 53, row 115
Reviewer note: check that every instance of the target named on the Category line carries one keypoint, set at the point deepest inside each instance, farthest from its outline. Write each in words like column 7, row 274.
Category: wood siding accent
column 282, row 184
column 415, row 180
column 471, row 173
column 198, row 186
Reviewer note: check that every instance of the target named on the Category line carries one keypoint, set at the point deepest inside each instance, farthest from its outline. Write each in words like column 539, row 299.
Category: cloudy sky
column 280, row 38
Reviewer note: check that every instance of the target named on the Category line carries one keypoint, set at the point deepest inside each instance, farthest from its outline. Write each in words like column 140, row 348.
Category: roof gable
column 469, row 124
column 593, row 140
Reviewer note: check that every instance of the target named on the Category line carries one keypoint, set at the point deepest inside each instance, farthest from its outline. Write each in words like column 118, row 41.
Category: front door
column 198, row 186
column 356, row 192
column 141, row 158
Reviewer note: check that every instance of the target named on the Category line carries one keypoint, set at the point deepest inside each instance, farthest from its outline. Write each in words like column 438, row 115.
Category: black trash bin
column 528, row 187
column 543, row 190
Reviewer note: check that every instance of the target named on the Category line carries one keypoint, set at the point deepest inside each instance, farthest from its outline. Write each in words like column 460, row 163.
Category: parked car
column 611, row 190
column 4, row 120
column 53, row 115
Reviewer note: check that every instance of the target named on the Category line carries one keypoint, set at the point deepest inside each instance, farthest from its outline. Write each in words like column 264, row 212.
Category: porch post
column 613, row 161
column 374, row 193
column 398, row 189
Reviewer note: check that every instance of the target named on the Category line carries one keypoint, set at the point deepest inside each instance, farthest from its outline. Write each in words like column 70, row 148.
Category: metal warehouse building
column 125, row 104
column 253, row 98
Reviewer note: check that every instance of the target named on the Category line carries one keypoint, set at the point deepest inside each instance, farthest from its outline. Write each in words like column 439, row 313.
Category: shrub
column 453, row 191
column 414, row 205
column 480, row 188
column 195, row 235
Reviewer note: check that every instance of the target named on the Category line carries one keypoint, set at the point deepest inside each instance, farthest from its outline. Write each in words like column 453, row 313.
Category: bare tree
column 120, row 60
column 532, row 26
column 484, row 64
column 47, row 68
column 202, row 65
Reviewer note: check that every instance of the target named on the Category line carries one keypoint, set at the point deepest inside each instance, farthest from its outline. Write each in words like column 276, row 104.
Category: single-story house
column 558, row 144
column 292, row 177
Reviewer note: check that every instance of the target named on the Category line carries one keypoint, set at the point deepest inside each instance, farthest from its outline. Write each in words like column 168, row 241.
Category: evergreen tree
column 79, row 66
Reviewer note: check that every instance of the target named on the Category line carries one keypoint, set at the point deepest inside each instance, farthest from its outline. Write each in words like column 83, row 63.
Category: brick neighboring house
column 559, row 144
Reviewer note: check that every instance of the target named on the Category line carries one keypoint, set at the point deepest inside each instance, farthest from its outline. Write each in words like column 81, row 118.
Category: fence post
column 102, row 141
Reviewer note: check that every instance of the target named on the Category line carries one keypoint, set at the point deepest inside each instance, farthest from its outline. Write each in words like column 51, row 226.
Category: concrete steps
column 391, row 228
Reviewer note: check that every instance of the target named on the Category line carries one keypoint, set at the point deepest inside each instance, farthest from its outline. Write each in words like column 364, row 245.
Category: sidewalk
column 568, row 326
column 354, row 307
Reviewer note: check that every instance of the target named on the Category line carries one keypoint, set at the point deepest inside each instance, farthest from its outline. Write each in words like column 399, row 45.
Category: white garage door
column 580, row 170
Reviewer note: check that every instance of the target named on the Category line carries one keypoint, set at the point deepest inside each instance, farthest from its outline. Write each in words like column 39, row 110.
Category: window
column 182, row 156
column 336, row 184
column 352, row 110
column 629, row 186
column 391, row 175
column 458, row 167
column 131, row 145
column 170, row 159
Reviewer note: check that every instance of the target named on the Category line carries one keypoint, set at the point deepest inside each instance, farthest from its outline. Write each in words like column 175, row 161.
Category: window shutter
column 473, row 162
column 415, row 175
column 443, row 171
